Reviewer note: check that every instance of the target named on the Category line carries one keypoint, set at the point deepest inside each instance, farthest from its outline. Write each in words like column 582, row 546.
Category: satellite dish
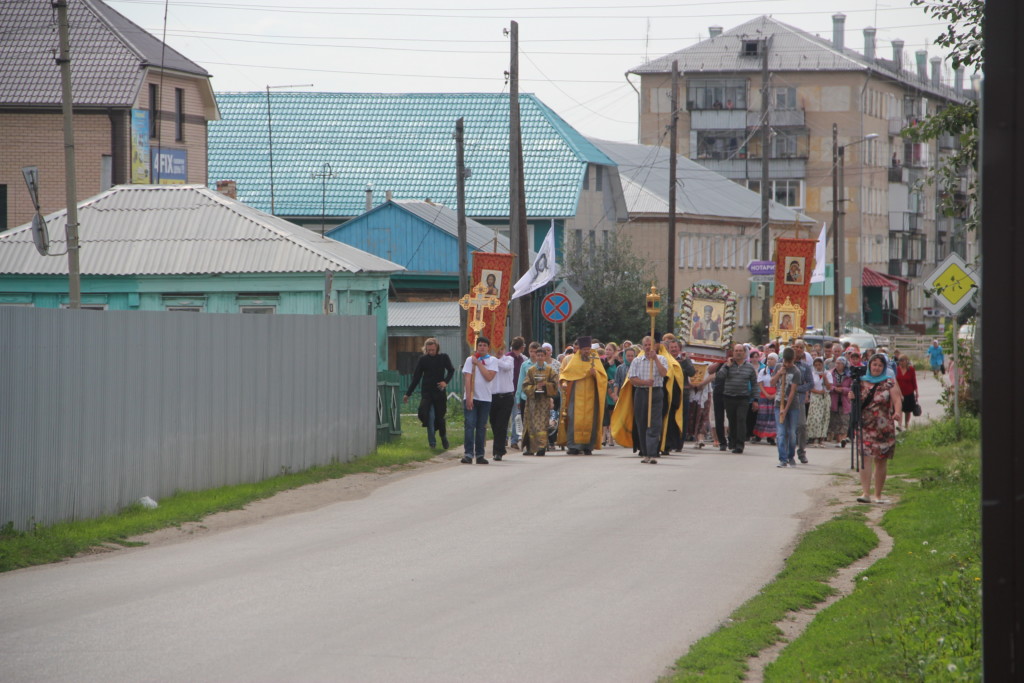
column 40, row 235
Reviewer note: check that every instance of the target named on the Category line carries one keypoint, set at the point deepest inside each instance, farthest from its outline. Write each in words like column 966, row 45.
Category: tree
column 614, row 284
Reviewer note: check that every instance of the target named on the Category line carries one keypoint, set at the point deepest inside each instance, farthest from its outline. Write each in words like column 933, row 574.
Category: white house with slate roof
column 891, row 227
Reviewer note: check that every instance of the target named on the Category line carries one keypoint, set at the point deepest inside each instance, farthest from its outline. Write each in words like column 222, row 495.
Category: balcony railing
column 904, row 222
column 719, row 119
column 777, row 118
column 897, row 174
column 895, row 126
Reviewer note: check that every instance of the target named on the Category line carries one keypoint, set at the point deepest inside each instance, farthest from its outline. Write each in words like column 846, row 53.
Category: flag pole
column 653, row 309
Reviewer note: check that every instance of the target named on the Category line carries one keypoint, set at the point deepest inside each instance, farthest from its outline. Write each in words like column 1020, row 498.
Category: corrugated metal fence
column 100, row 408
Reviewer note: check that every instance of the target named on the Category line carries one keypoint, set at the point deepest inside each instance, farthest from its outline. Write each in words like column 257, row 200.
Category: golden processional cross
column 476, row 304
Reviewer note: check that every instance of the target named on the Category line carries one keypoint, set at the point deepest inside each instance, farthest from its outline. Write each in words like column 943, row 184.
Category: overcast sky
column 573, row 53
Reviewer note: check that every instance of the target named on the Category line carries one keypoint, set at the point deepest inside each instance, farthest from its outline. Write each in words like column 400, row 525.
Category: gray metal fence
column 99, row 408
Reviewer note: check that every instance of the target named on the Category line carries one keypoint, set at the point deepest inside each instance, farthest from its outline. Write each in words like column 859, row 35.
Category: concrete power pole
column 70, row 184
column 521, row 319
column 673, row 146
column 765, row 181
column 460, row 194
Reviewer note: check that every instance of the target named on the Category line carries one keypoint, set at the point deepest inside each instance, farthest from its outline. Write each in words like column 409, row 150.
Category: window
column 586, row 177
column 598, row 176
column 784, row 98
column 3, row 207
column 785, row 192
column 179, row 114
column 716, row 94
column 154, row 109
column 784, row 144
column 258, row 309
column 751, row 48
column 190, row 309
column 719, row 144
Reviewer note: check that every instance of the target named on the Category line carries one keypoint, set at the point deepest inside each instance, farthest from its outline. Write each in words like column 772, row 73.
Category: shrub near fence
column 103, row 407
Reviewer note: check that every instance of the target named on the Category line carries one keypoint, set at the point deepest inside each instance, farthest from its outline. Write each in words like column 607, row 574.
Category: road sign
column 574, row 296
column 954, row 284
column 761, row 268
column 762, row 278
column 556, row 307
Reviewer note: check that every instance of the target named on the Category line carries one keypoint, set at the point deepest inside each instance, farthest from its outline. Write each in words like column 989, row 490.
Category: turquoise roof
column 402, row 143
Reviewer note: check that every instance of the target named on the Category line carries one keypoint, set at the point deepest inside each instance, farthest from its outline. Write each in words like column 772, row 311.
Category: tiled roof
column 403, row 143
column 180, row 230
column 872, row 278
column 644, row 170
column 108, row 53
column 423, row 314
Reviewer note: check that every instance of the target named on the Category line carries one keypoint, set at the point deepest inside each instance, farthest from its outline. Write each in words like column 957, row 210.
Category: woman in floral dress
column 765, row 427
column 818, row 411
column 880, row 402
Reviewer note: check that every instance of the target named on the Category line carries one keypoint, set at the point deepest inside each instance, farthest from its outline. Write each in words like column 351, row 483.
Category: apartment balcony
column 944, row 224
column 750, row 169
column 948, row 142
column 898, row 174
column 901, row 268
column 904, row 222
column 779, row 118
column 718, row 119
column 896, row 126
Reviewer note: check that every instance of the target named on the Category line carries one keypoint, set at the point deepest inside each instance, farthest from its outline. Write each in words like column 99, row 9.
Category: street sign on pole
column 556, row 307
column 954, row 284
column 761, row 268
column 574, row 296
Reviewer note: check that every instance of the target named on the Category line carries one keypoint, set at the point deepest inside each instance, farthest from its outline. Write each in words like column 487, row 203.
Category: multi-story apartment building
column 140, row 108
column 892, row 236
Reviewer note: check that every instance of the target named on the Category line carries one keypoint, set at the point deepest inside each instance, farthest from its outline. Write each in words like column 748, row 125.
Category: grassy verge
column 915, row 614
column 55, row 542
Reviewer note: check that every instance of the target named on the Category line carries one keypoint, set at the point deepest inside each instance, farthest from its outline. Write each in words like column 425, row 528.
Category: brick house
column 120, row 74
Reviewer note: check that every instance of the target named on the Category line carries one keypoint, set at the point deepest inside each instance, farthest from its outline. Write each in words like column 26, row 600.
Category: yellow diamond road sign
column 954, row 284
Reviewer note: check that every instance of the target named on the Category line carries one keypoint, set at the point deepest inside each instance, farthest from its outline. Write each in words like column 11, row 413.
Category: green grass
column 52, row 543
column 915, row 614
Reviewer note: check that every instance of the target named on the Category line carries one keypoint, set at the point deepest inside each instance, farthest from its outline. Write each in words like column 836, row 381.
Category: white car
column 862, row 338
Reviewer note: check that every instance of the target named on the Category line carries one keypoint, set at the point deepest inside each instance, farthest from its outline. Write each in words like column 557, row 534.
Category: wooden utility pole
column 765, row 181
column 521, row 321
column 673, row 146
column 460, row 199
column 70, row 183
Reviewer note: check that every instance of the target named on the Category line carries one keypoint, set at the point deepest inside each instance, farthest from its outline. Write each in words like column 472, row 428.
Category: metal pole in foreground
column 70, row 184
column 653, row 309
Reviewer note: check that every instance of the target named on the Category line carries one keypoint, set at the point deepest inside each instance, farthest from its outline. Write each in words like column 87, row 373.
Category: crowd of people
column 651, row 397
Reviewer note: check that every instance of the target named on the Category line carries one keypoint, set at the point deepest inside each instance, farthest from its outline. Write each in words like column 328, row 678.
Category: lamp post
column 838, row 282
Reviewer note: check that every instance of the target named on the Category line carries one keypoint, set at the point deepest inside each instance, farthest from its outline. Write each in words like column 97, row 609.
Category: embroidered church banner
column 494, row 270
column 794, row 265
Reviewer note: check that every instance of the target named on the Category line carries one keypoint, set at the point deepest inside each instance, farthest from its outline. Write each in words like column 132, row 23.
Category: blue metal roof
column 398, row 142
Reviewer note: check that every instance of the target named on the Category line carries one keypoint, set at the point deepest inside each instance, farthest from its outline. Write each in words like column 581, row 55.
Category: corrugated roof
column 398, row 142
column 644, row 170
column 792, row 49
column 181, row 230
column 477, row 234
column 423, row 314
column 108, row 52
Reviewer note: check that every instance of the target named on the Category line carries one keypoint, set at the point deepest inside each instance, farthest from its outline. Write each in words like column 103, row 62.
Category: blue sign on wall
column 170, row 166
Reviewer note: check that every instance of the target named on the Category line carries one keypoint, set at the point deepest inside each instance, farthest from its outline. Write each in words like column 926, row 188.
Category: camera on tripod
column 857, row 372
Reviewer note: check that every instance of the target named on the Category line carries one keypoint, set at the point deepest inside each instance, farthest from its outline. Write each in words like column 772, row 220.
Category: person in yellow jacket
column 584, row 385
column 623, row 427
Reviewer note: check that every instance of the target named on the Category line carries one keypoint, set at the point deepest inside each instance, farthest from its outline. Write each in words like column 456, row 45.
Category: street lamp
column 838, row 288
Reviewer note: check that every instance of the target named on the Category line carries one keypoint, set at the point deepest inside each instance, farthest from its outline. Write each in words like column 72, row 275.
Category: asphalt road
column 563, row 568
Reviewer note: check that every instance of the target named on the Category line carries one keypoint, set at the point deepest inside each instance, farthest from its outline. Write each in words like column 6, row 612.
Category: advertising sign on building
column 170, row 166
column 140, row 146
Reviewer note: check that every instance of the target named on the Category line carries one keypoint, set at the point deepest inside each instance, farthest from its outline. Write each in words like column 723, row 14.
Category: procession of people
column 652, row 398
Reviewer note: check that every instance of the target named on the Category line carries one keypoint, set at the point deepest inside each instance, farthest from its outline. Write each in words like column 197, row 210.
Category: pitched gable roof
column 108, row 54
column 181, row 230
column 398, row 142
column 644, row 170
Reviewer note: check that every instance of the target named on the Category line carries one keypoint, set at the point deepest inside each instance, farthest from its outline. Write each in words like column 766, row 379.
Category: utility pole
column 673, row 145
column 765, row 181
column 270, row 136
column 838, row 291
column 70, row 183
column 323, row 174
column 460, row 199
column 521, row 322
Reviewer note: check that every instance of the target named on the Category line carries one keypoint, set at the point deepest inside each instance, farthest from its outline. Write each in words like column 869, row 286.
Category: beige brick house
column 890, row 228
column 119, row 73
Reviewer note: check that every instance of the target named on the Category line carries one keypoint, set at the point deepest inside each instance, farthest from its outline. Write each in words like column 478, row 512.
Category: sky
column 573, row 54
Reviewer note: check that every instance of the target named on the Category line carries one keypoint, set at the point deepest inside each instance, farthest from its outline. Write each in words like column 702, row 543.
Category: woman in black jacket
column 436, row 371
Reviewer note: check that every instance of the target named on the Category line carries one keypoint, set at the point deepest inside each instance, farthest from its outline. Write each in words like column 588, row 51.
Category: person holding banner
column 585, row 386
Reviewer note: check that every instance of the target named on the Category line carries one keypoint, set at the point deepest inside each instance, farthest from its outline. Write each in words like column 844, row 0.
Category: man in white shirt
column 503, row 392
column 478, row 372
column 647, row 375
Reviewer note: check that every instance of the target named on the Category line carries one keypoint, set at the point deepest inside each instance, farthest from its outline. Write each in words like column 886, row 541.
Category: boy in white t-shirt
column 478, row 372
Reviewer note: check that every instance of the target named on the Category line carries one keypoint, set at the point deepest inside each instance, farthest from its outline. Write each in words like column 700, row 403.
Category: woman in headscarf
column 765, row 427
column 818, row 410
column 880, row 401
column 839, row 417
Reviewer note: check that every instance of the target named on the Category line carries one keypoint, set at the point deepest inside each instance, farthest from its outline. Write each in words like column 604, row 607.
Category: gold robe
column 586, row 395
column 622, row 416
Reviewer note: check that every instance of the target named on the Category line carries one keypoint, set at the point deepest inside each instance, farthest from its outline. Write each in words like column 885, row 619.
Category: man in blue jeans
column 787, row 379
column 477, row 372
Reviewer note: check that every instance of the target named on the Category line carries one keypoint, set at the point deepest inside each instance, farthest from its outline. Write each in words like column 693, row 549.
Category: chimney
column 838, row 30
column 936, row 72
column 387, row 195
column 958, row 81
column 714, row 31
column 897, row 54
column 369, row 196
column 228, row 188
column 869, row 44
column 922, row 65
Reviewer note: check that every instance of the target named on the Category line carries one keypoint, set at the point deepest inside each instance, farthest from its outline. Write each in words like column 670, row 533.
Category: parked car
column 862, row 338
column 813, row 338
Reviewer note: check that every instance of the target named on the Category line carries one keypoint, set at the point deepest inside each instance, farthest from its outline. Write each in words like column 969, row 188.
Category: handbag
column 917, row 410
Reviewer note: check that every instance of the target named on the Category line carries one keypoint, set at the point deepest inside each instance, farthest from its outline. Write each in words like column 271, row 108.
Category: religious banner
column 494, row 272
column 794, row 265
column 707, row 318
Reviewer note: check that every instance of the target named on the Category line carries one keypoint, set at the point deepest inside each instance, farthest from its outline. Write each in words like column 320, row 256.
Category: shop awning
column 872, row 278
